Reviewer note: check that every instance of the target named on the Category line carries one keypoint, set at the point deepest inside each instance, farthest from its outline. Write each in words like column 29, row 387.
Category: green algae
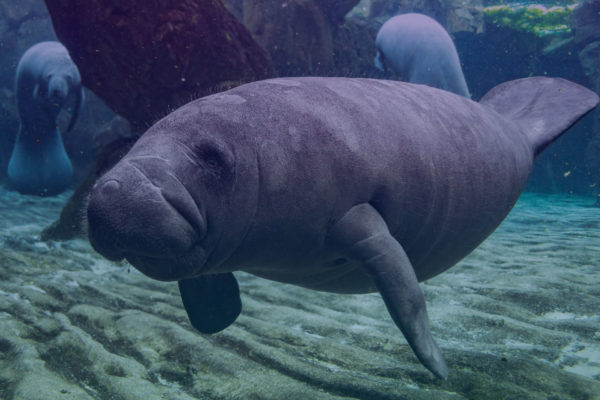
column 533, row 18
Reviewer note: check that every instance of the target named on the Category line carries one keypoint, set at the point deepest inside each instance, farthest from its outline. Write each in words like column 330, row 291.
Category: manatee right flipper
column 212, row 302
column 363, row 235
column 79, row 100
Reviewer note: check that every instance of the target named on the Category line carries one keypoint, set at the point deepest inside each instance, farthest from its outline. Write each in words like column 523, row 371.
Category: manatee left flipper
column 363, row 235
column 36, row 92
column 212, row 302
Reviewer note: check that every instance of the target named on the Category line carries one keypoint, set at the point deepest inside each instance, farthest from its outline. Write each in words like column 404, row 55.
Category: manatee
column 335, row 184
column 420, row 50
column 46, row 77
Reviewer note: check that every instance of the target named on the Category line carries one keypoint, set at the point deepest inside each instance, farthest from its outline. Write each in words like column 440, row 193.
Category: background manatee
column 46, row 77
column 420, row 50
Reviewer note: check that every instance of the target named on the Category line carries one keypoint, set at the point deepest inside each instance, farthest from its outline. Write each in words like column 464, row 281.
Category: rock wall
column 145, row 58
column 310, row 37
column 454, row 15
column 297, row 35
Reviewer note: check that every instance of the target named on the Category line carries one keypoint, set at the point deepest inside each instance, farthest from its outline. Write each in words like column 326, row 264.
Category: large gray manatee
column 335, row 184
column 420, row 50
column 46, row 77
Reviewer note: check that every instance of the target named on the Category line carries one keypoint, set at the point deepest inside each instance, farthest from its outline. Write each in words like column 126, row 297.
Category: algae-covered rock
column 533, row 18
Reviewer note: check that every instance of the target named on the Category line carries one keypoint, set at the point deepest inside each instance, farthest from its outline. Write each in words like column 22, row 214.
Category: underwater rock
column 146, row 58
column 308, row 37
column 519, row 324
column 336, row 10
column 9, row 122
column 382, row 10
column 297, row 35
column 354, row 49
column 586, row 22
column 464, row 16
column 454, row 15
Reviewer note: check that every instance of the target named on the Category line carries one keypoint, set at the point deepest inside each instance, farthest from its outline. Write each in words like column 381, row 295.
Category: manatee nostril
column 101, row 223
column 110, row 187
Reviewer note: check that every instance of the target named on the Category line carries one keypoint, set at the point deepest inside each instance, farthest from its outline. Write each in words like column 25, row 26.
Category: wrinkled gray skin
column 334, row 184
column 420, row 50
column 45, row 79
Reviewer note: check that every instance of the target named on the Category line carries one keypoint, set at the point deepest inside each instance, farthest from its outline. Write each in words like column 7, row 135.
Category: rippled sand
column 517, row 319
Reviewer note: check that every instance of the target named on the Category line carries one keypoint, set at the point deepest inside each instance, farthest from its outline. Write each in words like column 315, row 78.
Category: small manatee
column 420, row 50
column 46, row 77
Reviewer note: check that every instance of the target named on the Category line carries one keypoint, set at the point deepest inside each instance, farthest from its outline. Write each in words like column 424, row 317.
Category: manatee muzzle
column 140, row 211
column 58, row 90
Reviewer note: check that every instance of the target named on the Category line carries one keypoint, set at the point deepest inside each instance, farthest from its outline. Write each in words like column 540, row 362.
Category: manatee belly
column 331, row 273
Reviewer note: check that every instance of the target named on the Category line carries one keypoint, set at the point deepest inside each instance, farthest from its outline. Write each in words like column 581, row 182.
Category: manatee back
column 433, row 162
column 39, row 62
column 39, row 57
column 544, row 107
column 421, row 51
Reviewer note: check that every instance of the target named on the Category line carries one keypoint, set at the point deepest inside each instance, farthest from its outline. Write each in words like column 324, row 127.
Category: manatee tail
column 543, row 107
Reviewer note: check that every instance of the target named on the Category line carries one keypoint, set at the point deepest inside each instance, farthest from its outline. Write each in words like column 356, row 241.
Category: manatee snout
column 149, row 218
column 58, row 89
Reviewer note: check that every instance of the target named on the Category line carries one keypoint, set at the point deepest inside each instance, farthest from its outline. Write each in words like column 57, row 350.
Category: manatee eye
column 210, row 157
column 217, row 164
column 213, row 163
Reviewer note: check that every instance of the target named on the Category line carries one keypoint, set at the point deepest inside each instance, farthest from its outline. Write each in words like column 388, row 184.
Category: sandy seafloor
column 517, row 319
